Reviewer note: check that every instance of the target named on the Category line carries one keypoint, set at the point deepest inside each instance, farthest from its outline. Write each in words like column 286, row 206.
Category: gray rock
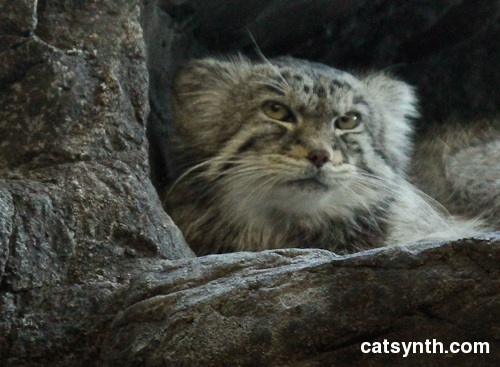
column 92, row 270
column 18, row 17
column 78, row 213
column 311, row 308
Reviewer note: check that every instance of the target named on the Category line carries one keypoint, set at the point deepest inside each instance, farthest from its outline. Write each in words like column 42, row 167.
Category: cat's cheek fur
column 248, row 182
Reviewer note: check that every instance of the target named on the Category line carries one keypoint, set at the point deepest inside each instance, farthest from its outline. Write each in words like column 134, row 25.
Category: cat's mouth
column 309, row 183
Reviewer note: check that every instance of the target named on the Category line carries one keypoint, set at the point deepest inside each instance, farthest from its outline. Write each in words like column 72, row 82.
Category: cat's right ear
column 199, row 75
column 200, row 93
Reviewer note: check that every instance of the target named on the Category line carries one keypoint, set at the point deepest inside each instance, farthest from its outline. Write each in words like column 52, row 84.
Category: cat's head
column 291, row 136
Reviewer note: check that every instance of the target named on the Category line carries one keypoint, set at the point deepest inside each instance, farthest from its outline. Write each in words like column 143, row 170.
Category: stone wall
column 94, row 273
column 78, row 213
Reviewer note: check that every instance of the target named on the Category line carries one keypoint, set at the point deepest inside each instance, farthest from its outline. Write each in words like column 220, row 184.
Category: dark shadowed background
column 94, row 273
column 449, row 50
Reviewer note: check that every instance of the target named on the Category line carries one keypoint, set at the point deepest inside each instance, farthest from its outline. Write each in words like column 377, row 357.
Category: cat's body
column 459, row 165
column 295, row 154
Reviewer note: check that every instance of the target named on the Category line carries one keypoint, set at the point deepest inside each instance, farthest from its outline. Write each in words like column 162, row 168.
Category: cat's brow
column 357, row 100
column 341, row 84
column 274, row 89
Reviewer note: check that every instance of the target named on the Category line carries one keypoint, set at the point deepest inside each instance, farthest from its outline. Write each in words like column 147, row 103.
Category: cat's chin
column 303, row 197
column 309, row 184
column 328, row 178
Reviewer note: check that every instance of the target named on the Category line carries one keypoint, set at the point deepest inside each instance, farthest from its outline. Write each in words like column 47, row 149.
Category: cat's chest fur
column 293, row 154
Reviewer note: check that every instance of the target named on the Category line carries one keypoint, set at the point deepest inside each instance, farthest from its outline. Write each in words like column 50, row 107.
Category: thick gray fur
column 245, row 182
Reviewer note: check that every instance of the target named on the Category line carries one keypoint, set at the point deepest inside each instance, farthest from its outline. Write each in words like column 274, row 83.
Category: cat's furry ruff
column 244, row 180
column 458, row 164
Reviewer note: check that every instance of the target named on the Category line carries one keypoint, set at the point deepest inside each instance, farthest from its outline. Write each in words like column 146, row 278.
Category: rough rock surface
column 311, row 308
column 94, row 273
column 78, row 213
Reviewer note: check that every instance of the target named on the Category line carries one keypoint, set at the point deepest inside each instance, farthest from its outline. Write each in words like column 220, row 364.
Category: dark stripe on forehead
column 320, row 92
column 285, row 75
column 340, row 84
column 336, row 85
column 274, row 89
column 360, row 100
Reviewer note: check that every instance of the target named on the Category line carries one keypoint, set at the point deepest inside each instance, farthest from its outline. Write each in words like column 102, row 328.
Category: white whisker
column 264, row 58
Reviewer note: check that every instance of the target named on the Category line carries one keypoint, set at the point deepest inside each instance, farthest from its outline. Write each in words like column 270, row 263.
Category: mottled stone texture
column 78, row 213
column 94, row 273
column 312, row 308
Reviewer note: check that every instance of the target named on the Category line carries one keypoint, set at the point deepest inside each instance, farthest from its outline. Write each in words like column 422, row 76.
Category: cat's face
column 292, row 138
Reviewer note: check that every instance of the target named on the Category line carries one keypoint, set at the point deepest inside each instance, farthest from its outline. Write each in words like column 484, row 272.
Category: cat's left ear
column 396, row 106
column 394, row 96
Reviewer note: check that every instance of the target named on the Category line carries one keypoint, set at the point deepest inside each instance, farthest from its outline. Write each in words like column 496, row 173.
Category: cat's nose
column 319, row 157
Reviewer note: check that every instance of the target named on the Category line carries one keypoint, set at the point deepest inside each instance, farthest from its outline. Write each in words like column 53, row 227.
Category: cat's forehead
column 313, row 82
column 320, row 87
column 306, row 71
column 313, row 70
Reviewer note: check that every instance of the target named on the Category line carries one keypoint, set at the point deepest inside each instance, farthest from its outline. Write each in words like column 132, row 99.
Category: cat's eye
column 348, row 121
column 278, row 111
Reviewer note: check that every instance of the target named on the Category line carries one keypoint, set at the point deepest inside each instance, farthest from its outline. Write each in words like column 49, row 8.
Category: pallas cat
column 291, row 153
